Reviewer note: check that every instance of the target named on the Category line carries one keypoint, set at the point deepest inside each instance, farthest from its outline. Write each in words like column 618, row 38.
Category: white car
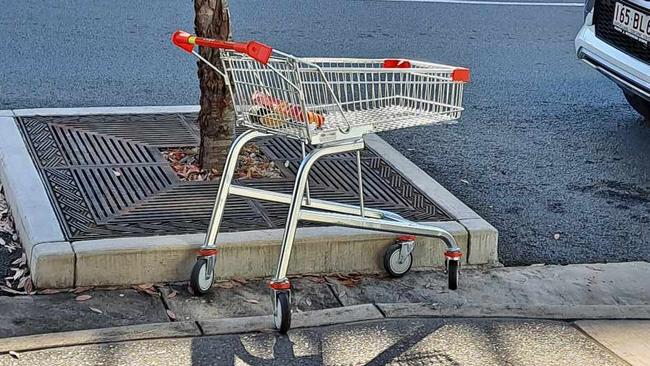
column 615, row 40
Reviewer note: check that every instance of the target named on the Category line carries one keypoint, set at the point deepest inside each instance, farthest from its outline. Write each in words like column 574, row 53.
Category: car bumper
column 625, row 70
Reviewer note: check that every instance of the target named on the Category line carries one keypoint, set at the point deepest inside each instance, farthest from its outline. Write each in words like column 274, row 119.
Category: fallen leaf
column 117, row 174
column 12, row 291
column 29, row 286
column 317, row 279
column 171, row 314
column 79, row 290
column 22, row 283
column 151, row 292
column 240, row 280
column 172, row 294
column 20, row 261
column 464, row 181
column 252, row 301
column 14, row 354
column 83, row 297
column 50, row 291
column 349, row 282
column 95, row 310
column 226, row 285
column 144, row 286
column 19, row 272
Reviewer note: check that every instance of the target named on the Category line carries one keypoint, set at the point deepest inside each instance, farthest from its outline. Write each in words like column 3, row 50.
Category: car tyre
column 639, row 104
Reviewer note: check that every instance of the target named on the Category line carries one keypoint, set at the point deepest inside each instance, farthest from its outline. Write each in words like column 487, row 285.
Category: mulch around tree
column 251, row 164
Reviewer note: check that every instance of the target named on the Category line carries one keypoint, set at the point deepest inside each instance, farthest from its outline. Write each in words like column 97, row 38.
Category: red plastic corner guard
column 460, row 75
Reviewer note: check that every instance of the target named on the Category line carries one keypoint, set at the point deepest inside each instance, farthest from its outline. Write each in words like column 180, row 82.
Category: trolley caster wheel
column 453, row 268
column 395, row 264
column 282, row 312
column 198, row 281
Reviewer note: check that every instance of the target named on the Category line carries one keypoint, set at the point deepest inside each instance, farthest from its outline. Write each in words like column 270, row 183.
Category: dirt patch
column 251, row 164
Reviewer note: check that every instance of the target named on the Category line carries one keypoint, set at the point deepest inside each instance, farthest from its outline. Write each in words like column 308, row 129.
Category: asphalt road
column 546, row 146
column 394, row 342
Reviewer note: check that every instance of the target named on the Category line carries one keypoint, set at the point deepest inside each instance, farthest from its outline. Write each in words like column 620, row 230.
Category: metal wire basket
column 320, row 100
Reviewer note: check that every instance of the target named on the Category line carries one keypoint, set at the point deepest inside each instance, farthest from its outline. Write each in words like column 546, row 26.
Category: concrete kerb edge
column 102, row 335
column 7, row 113
column 485, row 235
column 105, row 110
column 429, row 186
column 33, row 214
column 307, row 319
column 550, row 312
column 86, row 251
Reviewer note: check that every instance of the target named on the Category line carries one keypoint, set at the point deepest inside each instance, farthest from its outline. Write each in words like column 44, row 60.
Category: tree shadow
column 252, row 349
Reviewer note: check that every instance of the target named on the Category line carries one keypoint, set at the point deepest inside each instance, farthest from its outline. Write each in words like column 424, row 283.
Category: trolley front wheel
column 453, row 268
column 395, row 263
column 199, row 281
column 282, row 312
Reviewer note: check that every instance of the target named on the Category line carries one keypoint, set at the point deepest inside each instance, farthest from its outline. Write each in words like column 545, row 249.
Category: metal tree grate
column 106, row 178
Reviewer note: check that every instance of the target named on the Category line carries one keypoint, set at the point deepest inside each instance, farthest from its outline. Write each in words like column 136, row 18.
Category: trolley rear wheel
column 453, row 268
column 198, row 280
column 282, row 312
column 394, row 264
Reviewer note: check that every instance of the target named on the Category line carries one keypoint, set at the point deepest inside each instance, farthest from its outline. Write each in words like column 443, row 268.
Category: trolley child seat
column 330, row 104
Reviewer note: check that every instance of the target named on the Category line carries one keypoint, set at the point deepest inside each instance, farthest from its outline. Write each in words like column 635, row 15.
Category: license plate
column 632, row 22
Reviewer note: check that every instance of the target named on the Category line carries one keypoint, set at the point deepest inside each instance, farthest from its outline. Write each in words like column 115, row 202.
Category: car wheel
column 639, row 104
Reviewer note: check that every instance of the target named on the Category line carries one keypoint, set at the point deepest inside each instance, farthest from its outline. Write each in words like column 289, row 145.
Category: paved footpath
column 396, row 341
column 537, row 315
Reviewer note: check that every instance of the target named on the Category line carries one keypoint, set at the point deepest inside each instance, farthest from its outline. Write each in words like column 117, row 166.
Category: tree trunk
column 217, row 116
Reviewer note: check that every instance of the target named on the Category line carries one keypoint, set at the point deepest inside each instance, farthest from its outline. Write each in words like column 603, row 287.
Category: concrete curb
column 35, row 221
column 105, row 110
column 105, row 335
column 246, row 254
column 315, row 318
column 483, row 237
column 170, row 258
column 556, row 312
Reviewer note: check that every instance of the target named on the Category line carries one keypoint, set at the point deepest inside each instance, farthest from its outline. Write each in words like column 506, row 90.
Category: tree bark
column 217, row 116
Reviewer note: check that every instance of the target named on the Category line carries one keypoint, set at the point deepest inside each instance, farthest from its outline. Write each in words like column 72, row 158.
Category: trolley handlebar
column 256, row 50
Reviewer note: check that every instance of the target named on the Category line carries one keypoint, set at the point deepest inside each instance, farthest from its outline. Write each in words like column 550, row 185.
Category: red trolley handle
column 256, row 50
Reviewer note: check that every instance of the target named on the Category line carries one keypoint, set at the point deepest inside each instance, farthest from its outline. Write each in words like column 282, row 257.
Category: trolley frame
column 301, row 206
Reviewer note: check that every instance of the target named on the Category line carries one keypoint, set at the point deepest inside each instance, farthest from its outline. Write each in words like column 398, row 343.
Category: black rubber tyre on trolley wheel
column 199, row 283
column 453, row 267
column 392, row 265
column 282, row 312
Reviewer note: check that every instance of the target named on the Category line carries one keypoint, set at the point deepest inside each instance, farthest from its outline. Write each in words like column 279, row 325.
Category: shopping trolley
column 330, row 104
